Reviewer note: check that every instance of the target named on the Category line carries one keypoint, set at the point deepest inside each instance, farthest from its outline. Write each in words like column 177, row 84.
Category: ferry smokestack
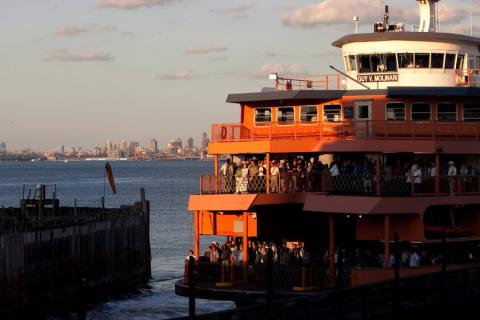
column 428, row 15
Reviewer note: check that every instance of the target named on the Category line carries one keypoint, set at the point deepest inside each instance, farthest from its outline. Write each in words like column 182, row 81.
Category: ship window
column 447, row 112
column 308, row 114
column 332, row 113
column 471, row 111
column 421, row 111
column 285, row 115
column 405, row 60
column 437, row 60
column 422, row 60
column 377, row 63
column 395, row 111
column 352, row 63
column 450, row 61
column 348, row 113
column 263, row 115
column 460, row 59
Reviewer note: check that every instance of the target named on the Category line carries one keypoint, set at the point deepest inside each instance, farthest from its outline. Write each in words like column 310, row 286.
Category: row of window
column 391, row 62
column 394, row 111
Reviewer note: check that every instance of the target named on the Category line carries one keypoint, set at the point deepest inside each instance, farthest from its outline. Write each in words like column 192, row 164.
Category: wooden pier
column 52, row 253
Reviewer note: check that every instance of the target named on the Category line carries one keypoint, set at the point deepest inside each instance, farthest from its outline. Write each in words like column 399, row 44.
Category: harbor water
column 168, row 185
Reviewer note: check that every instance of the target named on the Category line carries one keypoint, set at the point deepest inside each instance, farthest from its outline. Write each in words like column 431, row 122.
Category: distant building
column 175, row 145
column 3, row 148
column 124, row 145
column 205, row 141
column 134, row 147
column 109, row 148
column 190, row 143
column 62, row 149
column 154, row 145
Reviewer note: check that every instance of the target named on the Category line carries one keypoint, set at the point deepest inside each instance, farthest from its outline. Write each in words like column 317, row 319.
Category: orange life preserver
column 224, row 133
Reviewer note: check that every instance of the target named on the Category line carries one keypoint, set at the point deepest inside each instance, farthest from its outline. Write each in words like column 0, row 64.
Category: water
column 167, row 184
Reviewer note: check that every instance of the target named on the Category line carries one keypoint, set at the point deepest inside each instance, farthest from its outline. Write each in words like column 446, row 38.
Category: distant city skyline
column 77, row 72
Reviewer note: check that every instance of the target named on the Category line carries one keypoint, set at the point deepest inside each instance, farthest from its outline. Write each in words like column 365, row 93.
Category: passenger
column 452, row 177
column 244, row 179
column 274, row 175
column 414, row 260
column 190, row 254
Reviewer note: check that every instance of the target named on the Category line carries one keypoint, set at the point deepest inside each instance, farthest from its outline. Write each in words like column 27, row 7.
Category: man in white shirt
column 274, row 172
column 452, row 173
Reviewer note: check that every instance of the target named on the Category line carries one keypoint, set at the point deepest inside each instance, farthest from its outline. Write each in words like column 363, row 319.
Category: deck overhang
column 307, row 145
column 381, row 205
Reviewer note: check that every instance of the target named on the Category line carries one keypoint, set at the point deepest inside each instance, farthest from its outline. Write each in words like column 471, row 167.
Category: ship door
column 363, row 118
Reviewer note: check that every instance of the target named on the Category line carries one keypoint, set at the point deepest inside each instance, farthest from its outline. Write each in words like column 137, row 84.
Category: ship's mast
column 428, row 15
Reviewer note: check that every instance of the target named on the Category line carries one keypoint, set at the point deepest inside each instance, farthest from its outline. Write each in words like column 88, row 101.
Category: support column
column 196, row 228
column 245, row 237
column 386, row 254
column 215, row 160
column 378, row 174
column 437, row 174
column 268, row 172
column 331, row 250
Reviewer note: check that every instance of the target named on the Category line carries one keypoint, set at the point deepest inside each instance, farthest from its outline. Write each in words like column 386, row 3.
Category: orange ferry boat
column 399, row 130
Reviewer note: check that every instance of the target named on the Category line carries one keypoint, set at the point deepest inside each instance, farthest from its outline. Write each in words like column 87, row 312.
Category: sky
column 78, row 72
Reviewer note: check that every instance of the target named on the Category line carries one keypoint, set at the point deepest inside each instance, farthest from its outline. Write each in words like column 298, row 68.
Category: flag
column 109, row 173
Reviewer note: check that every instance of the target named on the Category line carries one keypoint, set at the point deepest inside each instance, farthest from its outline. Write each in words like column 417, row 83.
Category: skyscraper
column 190, row 143
column 3, row 148
column 153, row 145
column 205, row 141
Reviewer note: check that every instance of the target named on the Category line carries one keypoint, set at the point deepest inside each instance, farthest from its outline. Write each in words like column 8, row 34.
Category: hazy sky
column 77, row 72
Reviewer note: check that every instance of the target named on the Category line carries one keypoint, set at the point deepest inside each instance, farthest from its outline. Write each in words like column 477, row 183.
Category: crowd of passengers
column 298, row 175
column 295, row 254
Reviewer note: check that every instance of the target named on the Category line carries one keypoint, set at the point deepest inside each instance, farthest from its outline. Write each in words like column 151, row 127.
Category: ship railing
column 347, row 130
column 468, row 77
column 344, row 184
column 309, row 82
column 284, row 275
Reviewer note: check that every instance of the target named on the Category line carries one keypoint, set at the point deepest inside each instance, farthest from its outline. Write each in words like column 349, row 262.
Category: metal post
column 386, row 257
column 245, row 244
column 437, row 174
column 196, row 245
column 396, row 282
column 191, row 287
column 268, row 171
column 215, row 159
column 378, row 174
column 269, row 279
column 331, row 252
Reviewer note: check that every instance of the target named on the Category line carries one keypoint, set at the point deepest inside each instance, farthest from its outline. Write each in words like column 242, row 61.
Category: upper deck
column 420, row 119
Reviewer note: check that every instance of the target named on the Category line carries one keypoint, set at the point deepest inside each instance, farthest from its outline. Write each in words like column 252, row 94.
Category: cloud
column 266, row 69
column 72, row 31
column 132, row 4
column 64, row 55
column 332, row 12
column 340, row 12
column 240, row 9
column 206, row 49
column 181, row 74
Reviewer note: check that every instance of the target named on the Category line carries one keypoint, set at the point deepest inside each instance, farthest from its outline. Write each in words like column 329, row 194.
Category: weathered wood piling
column 67, row 251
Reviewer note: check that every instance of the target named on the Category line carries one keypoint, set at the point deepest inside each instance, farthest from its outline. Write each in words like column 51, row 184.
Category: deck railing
column 347, row 130
column 473, row 78
column 309, row 82
column 345, row 184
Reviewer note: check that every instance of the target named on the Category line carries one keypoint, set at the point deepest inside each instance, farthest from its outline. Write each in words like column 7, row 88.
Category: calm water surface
column 167, row 184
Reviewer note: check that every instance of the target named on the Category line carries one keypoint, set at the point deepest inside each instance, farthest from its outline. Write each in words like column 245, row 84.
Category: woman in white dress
column 244, row 179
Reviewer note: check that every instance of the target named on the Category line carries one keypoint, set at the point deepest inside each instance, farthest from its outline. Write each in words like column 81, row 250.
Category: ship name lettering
column 384, row 77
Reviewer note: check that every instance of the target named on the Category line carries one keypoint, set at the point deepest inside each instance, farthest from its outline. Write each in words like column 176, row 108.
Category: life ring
column 224, row 133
